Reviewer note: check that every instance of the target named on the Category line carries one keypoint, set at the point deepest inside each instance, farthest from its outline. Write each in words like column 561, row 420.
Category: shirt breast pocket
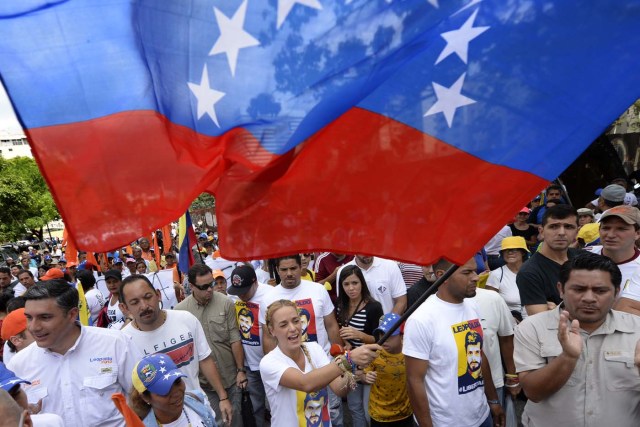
column 96, row 395
column 620, row 371
column 218, row 328
column 552, row 350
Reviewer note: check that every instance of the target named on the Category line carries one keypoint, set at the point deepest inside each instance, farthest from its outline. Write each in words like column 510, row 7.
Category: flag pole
column 431, row 290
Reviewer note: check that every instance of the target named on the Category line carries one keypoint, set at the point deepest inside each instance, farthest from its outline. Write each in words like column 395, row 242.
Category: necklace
column 186, row 414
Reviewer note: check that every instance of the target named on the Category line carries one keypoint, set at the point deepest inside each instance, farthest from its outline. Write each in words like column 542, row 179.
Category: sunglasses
column 204, row 287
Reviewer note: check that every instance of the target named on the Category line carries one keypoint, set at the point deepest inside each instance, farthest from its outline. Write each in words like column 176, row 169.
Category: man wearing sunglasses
column 217, row 314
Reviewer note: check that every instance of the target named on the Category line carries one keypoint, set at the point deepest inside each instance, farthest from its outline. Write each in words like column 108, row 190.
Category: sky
column 8, row 121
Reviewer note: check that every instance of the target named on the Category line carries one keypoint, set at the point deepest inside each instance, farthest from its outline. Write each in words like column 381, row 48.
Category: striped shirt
column 357, row 322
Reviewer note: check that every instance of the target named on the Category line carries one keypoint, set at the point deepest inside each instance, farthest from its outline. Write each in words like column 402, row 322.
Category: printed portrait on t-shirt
column 312, row 409
column 468, row 336
column 247, row 314
column 307, row 319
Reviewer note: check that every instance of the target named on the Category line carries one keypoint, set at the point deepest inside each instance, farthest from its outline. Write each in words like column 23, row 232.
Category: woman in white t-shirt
column 159, row 395
column 514, row 252
column 296, row 374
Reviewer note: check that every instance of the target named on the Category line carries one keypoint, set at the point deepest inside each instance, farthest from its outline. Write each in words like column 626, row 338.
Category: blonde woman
column 296, row 374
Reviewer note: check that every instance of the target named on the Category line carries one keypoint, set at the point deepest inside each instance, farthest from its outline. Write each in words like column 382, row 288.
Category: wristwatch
column 493, row 402
column 238, row 370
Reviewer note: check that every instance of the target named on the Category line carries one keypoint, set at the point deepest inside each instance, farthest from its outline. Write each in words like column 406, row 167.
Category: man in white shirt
column 178, row 334
column 250, row 299
column 448, row 375
column 384, row 281
column 73, row 369
column 497, row 328
column 619, row 230
column 26, row 282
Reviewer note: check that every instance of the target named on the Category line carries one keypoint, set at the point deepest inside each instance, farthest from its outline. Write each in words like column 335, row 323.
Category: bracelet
column 342, row 363
column 511, row 375
column 353, row 365
column 222, row 400
column 238, row 370
column 493, row 402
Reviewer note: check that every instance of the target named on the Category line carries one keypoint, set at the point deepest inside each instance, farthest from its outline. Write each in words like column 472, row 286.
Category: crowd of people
column 546, row 313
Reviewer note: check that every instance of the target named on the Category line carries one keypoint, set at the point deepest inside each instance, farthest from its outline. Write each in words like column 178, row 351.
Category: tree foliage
column 204, row 200
column 26, row 204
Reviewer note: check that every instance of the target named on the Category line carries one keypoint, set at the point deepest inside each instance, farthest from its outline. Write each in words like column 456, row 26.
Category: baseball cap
column 590, row 233
column 52, row 273
column 114, row 274
column 613, row 193
column 203, row 236
column 156, row 373
column 585, row 211
column 8, row 379
column 217, row 273
column 387, row 322
column 128, row 260
column 117, row 261
column 629, row 214
column 242, row 278
column 525, row 210
column 513, row 242
column 14, row 323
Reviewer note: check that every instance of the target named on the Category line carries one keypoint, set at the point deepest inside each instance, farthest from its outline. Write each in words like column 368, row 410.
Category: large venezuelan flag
column 408, row 129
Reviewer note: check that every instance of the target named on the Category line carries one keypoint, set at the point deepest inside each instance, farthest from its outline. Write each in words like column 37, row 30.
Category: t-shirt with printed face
column 449, row 336
column 287, row 405
column 180, row 337
column 313, row 304
column 249, row 314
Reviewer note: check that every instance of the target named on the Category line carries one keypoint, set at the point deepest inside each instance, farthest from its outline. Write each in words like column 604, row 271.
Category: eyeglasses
column 204, row 287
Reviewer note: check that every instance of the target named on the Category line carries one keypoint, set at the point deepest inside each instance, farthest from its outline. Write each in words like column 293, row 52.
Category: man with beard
column 538, row 276
column 245, row 322
column 176, row 333
column 249, row 297
column 473, row 349
column 576, row 363
column 313, row 404
column 443, row 329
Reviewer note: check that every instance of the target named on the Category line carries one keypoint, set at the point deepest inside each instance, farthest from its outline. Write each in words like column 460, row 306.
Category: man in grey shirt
column 576, row 362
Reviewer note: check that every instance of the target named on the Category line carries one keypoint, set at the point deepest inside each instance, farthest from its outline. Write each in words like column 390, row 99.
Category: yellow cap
column 589, row 232
column 514, row 242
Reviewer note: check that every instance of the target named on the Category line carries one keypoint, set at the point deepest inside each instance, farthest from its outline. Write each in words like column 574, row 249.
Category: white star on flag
column 163, row 369
column 449, row 100
column 285, row 6
column 166, row 377
column 458, row 40
column 161, row 362
column 433, row 3
column 232, row 36
column 206, row 96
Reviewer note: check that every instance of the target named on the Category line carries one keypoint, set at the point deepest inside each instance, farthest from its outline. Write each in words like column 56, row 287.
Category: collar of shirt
column 615, row 321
